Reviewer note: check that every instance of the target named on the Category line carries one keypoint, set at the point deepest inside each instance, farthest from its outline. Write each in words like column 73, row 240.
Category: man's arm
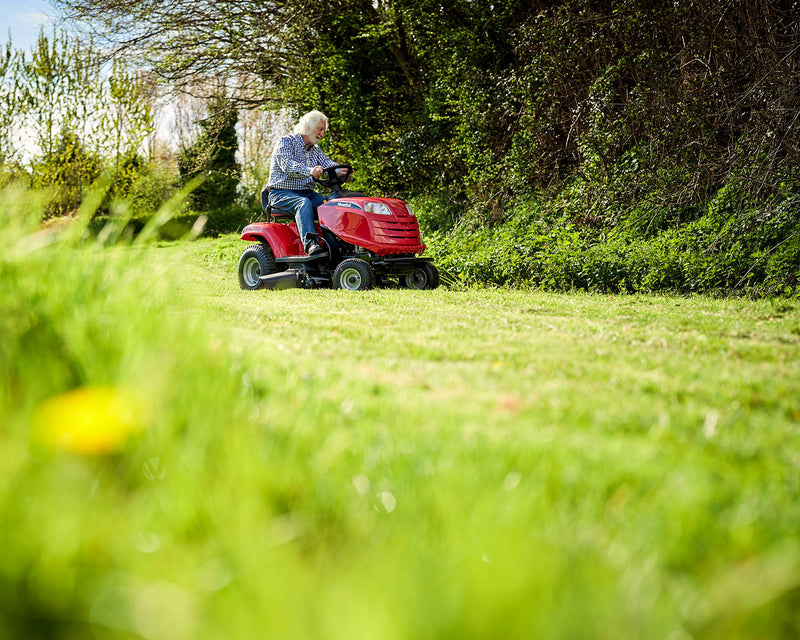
column 321, row 159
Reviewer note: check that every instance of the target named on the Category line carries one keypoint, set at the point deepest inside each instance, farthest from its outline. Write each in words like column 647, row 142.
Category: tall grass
column 182, row 459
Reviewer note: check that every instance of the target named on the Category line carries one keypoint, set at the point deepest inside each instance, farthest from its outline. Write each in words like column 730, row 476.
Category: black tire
column 256, row 261
column 425, row 276
column 354, row 275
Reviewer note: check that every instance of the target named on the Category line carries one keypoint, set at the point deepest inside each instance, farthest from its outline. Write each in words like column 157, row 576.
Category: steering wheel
column 334, row 179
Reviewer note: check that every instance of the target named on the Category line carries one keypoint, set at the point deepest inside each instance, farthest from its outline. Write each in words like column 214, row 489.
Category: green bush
column 66, row 172
column 150, row 188
column 227, row 220
column 736, row 247
column 213, row 158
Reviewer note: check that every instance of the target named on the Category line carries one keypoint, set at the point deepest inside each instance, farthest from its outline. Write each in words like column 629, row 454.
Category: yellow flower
column 91, row 420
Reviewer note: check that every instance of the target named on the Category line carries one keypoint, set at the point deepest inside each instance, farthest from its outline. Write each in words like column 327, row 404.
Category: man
column 296, row 162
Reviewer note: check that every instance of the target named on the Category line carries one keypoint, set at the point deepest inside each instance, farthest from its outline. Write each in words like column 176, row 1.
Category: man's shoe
column 313, row 249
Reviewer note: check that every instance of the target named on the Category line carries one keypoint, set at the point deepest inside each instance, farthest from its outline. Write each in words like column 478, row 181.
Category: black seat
column 273, row 212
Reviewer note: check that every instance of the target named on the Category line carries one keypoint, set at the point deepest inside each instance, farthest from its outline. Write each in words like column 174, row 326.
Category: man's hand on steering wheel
column 337, row 174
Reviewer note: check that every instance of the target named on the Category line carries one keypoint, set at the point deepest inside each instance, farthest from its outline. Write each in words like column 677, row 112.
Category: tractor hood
column 385, row 226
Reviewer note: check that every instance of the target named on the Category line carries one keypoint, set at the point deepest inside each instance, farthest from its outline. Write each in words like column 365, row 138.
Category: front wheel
column 354, row 275
column 256, row 261
column 425, row 276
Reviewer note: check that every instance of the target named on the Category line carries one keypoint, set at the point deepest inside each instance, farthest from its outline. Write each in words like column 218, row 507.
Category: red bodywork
column 384, row 235
column 283, row 239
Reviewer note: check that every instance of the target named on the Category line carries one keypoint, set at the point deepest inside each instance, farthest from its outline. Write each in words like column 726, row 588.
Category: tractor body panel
column 282, row 238
column 394, row 234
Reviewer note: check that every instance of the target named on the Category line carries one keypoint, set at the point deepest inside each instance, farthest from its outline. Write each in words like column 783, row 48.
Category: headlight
column 410, row 210
column 377, row 207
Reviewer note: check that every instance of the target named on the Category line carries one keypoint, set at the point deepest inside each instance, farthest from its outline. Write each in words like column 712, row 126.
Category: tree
column 67, row 170
column 128, row 114
column 484, row 102
column 60, row 105
column 213, row 157
column 59, row 80
column 402, row 79
column 9, row 101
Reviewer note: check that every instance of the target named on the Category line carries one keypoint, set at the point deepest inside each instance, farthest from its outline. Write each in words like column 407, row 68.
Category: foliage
column 542, row 466
column 66, row 170
column 213, row 157
column 150, row 186
column 225, row 219
column 622, row 120
column 128, row 118
column 65, row 115
column 9, row 102
column 57, row 82
column 736, row 247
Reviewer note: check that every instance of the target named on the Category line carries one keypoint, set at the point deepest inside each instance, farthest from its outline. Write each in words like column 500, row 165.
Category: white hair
column 309, row 122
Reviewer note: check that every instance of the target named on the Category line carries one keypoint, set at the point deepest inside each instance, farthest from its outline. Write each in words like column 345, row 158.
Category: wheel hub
column 419, row 279
column 351, row 279
column 251, row 271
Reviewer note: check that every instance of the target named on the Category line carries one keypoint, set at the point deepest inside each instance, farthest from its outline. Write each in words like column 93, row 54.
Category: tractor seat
column 273, row 212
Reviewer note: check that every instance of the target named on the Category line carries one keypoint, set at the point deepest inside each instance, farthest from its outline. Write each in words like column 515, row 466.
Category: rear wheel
column 256, row 261
column 354, row 274
column 425, row 276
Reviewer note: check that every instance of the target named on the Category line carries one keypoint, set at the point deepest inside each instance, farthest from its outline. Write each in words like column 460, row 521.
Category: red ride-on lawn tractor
column 367, row 242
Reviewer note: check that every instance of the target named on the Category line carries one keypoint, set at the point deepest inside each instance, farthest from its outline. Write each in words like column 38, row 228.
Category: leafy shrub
column 227, row 219
column 66, row 172
column 150, row 188
column 730, row 249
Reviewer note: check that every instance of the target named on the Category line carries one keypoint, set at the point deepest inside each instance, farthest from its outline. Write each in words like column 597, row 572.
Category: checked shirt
column 291, row 163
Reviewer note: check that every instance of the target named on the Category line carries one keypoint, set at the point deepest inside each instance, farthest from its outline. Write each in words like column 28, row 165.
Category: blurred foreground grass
column 393, row 464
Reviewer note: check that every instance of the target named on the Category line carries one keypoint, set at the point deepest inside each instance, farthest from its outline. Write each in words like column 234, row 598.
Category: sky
column 23, row 18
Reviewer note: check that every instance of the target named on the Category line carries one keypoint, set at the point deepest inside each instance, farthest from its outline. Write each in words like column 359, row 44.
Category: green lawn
column 387, row 464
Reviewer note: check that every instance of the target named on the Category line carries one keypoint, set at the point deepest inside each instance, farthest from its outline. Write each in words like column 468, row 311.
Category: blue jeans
column 304, row 205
